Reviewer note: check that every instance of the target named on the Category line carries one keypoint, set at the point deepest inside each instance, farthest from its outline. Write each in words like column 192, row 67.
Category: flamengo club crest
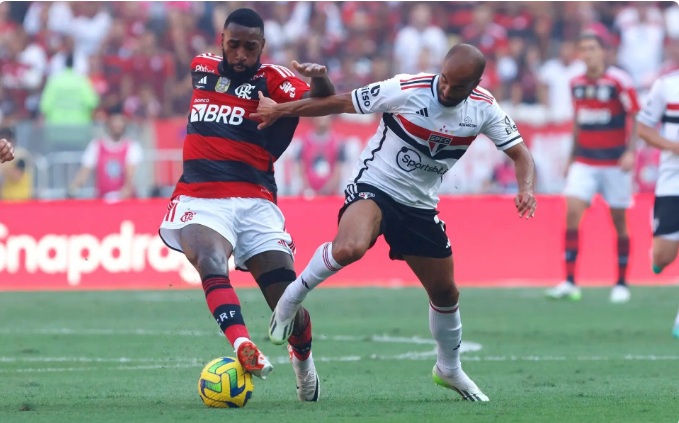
column 222, row 85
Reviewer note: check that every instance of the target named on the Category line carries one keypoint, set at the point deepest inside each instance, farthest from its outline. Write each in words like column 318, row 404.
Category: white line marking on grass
column 196, row 363
column 470, row 346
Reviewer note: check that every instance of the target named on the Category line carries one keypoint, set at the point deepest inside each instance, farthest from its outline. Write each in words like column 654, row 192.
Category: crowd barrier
column 90, row 244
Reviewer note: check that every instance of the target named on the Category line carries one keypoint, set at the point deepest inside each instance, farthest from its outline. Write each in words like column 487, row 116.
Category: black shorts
column 666, row 215
column 409, row 231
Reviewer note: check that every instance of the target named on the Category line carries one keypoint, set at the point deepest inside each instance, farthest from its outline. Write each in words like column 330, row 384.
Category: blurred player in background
column 602, row 158
column 6, row 151
column 428, row 122
column 113, row 158
column 225, row 200
column 321, row 156
column 663, row 107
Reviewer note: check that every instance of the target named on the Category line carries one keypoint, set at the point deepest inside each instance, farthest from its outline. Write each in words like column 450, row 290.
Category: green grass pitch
column 136, row 356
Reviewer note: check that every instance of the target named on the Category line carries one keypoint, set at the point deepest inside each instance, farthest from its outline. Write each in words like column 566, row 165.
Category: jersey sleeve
column 655, row 105
column 284, row 86
column 379, row 97
column 90, row 155
column 135, row 154
column 500, row 128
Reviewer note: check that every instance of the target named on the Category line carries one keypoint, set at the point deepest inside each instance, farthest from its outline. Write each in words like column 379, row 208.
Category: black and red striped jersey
column 602, row 108
column 225, row 155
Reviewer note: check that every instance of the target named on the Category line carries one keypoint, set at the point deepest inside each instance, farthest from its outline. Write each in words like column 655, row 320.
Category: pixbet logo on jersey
column 215, row 113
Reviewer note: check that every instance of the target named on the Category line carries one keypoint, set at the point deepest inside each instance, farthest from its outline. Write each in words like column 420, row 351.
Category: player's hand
column 6, row 151
column 311, row 70
column 626, row 161
column 526, row 204
column 266, row 111
column 675, row 148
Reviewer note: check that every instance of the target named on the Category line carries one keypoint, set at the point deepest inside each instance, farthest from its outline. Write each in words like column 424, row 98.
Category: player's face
column 242, row 48
column 116, row 126
column 456, row 83
column 591, row 53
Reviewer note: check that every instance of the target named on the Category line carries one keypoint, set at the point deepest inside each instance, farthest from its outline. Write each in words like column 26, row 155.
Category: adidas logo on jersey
column 202, row 82
column 215, row 113
column 423, row 112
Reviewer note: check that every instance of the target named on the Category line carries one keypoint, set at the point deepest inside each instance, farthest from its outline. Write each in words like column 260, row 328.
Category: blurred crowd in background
column 71, row 65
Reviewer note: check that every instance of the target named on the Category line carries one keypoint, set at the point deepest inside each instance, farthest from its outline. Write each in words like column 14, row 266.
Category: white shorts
column 585, row 181
column 251, row 225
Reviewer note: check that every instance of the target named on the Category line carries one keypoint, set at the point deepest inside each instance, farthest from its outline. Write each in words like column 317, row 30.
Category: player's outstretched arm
column 6, row 151
column 654, row 139
column 268, row 111
column 525, row 175
column 321, row 86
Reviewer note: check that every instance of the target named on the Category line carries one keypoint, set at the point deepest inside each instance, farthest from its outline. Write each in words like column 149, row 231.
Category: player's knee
column 348, row 251
column 662, row 258
column 209, row 264
column 445, row 294
column 573, row 218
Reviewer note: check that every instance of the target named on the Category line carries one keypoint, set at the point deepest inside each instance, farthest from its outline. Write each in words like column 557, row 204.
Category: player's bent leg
column 575, row 209
column 209, row 252
column 664, row 253
column 436, row 275
column 358, row 229
column 273, row 271
column 620, row 293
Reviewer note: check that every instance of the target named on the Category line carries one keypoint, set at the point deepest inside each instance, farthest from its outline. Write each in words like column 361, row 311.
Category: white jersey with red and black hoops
column 662, row 107
column 419, row 140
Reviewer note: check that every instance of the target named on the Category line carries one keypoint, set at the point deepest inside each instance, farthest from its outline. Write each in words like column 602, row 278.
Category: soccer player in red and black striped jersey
column 602, row 158
column 225, row 200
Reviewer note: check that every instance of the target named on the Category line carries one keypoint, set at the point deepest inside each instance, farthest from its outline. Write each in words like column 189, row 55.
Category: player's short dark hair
column 245, row 17
column 591, row 35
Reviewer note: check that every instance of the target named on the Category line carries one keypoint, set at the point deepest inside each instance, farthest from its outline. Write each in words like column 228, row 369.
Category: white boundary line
column 195, row 363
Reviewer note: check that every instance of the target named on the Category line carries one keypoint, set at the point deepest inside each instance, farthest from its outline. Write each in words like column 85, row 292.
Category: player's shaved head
column 466, row 56
column 463, row 67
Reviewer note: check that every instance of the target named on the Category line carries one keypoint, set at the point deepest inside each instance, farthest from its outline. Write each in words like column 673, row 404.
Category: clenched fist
column 6, row 151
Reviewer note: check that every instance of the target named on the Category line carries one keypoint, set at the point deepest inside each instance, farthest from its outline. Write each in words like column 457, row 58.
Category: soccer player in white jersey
column 428, row 123
column 662, row 106
column 6, row 151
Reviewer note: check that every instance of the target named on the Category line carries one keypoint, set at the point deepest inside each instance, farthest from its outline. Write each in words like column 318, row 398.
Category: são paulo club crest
column 438, row 142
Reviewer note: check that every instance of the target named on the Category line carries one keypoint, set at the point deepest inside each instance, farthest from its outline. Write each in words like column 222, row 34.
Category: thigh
column 581, row 182
column 616, row 187
column 360, row 223
column 666, row 217
column 436, row 276
column 260, row 229
column 206, row 249
column 417, row 232
column 363, row 217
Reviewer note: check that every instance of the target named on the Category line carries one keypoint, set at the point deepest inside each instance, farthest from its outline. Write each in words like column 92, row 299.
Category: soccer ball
column 224, row 383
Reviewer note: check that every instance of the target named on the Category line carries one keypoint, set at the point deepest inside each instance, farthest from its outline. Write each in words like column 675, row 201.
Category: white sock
column 676, row 321
column 446, row 328
column 320, row 268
